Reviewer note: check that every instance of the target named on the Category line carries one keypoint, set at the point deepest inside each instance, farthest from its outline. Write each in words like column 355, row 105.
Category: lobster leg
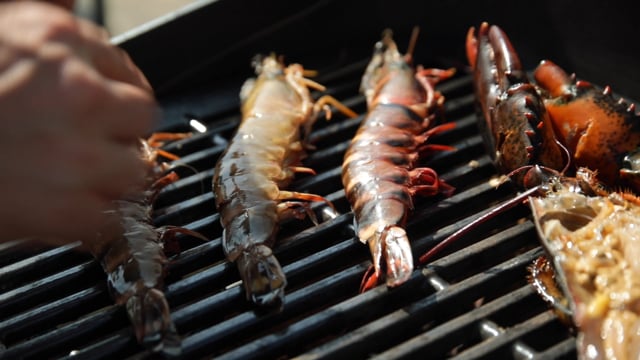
column 542, row 278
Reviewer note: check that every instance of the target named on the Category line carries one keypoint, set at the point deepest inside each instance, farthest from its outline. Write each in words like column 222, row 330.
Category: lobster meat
column 130, row 250
column 593, row 244
column 259, row 162
column 379, row 170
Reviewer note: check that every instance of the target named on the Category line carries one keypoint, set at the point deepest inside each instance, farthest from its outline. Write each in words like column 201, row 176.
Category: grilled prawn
column 261, row 159
column 130, row 250
column 379, row 171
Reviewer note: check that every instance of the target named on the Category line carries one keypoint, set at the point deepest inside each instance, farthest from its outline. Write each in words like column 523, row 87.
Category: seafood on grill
column 515, row 125
column 589, row 232
column 593, row 245
column 530, row 122
column 379, row 172
column 600, row 131
column 130, row 250
column 259, row 162
column 555, row 124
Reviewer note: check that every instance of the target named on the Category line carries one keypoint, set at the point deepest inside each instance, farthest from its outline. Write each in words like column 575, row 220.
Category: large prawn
column 379, row 171
column 130, row 250
column 260, row 161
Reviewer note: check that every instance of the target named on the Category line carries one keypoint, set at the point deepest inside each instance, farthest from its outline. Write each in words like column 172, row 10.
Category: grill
column 474, row 302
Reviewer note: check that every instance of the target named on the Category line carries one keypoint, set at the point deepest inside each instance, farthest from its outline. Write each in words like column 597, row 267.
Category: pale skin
column 72, row 107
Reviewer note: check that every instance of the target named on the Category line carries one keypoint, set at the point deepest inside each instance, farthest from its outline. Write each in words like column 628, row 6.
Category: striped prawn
column 379, row 171
column 260, row 161
column 130, row 249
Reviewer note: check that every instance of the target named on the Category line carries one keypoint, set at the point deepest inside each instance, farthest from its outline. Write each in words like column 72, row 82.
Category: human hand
column 72, row 107
column 67, row 4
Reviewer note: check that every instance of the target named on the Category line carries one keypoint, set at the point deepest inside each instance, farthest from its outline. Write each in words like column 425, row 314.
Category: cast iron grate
column 473, row 303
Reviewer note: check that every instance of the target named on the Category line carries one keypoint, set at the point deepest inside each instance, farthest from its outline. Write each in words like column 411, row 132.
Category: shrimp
column 260, row 161
column 130, row 250
column 379, row 171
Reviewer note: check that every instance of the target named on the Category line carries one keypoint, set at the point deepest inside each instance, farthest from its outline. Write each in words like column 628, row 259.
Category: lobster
column 599, row 131
column 379, row 171
column 541, row 134
column 259, row 162
column 556, row 124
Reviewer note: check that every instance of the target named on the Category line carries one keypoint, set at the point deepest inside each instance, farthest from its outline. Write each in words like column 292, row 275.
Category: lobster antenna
column 412, row 43
column 567, row 154
column 498, row 209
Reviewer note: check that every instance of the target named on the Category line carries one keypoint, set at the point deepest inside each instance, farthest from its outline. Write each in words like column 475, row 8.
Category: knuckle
column 81, row 87
column 53, row 24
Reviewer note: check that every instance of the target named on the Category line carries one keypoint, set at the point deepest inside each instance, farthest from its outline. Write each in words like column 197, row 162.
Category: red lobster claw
column 516, row 125
column 597, row 129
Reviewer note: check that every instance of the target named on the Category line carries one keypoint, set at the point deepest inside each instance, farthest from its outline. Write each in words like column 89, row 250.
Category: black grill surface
column 473, row 303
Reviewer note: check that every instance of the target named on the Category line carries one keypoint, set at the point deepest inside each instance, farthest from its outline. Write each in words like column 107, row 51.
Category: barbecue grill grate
column 473, row 303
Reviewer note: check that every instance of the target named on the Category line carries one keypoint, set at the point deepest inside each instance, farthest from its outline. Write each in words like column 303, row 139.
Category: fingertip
column 67, row 4
column 138, row 75
column 139, row 111
column 125, row 173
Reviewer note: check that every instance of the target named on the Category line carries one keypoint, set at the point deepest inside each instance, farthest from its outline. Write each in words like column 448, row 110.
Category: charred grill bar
column 474, row 302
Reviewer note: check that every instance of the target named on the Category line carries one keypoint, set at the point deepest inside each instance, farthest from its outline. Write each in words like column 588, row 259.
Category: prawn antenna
column 412, row 44
column 179, row 164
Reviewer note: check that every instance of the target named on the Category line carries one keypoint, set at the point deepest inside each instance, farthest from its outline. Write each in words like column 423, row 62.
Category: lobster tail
column 263, row 278
column 149, row 313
